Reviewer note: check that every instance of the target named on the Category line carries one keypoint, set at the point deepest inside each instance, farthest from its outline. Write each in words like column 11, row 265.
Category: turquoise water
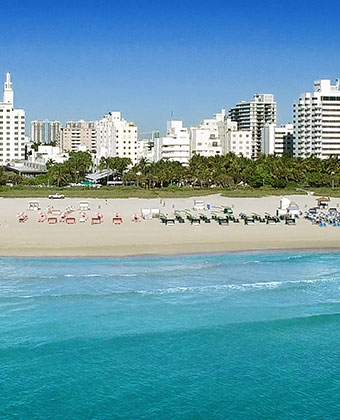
column 239, row 336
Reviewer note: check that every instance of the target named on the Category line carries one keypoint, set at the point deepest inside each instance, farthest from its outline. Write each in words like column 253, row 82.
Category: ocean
column 241, row 336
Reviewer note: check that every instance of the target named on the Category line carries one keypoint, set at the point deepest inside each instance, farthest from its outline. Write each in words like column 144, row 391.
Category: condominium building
column 176, row 145
column 45, row 132
column 317, row 121
column 146, row 147
column 278, row 140
column 12, row 126
column 239, row 142
column 253, row 115
column 116, row 137
column 79, row 136
column 209, row 138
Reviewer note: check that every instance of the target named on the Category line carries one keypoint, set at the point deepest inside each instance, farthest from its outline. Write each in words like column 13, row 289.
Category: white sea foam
column 235, row 287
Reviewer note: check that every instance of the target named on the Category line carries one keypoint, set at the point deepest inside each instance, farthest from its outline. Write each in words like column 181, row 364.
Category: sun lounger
column 166, row 220
column 42, row 218
column 52, row 220
column 228, row 210
column 179, row 218
column 205, row 218
column 117, row 219
column 96, row 220
column 70, row 220
column 249, row 221
column 136, row 218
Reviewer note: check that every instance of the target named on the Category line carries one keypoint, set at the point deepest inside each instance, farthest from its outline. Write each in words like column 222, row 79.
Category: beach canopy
column 323, row 199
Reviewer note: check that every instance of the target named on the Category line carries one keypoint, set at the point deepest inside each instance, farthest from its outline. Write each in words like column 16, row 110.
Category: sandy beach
column 152, row 237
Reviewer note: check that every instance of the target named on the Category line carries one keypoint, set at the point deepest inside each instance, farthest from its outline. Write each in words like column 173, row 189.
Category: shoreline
column 175, row 254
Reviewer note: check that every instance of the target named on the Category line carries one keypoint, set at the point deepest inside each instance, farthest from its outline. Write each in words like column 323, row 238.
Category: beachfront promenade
column 88, row 238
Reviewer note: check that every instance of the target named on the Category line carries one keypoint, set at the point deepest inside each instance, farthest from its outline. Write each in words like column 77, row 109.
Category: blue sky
column 80, row 59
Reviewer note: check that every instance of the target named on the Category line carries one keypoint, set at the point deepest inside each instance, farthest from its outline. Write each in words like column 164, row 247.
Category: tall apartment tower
column 79, row 136
column 176, row 145
column 12, row 126
column 209, row 138
column 316, row 118
column 46, row 132
column 278, row 141
column 253, row 115
column 116, row 137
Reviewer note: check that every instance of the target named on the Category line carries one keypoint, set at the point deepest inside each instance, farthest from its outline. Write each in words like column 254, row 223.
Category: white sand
column 152, row 237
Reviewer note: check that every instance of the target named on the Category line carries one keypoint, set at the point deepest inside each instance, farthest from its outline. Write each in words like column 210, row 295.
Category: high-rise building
column 278, row 140
column 253, row 115
column 317, row 121
column 12, row 126
column 116, row 137
column 239, row 142
column 208, row 139
column 79, row 136
column 176, row 145
column 46, row 132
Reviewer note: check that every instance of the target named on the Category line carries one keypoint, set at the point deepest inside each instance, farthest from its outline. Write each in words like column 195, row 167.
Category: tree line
column 227, row 171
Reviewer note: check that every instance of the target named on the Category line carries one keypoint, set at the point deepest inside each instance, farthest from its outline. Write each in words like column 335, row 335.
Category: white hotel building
column 317, row 121
column 278, row 140
column 12, row 127
column 116, row 137
column 209, row 138
column 176, row 145
column 215, row 136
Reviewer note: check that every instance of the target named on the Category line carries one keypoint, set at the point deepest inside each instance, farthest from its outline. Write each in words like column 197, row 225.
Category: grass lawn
column 129, row 192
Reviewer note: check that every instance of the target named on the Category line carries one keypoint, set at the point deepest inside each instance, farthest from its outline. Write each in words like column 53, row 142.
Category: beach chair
column 204, row 218
column 42, row 218
column 228, row 210
column 83, row 218
column 179, row 218
column 117, row 219
column 52, row 220
column 223, row 221
column 249, row 221
column 22, row 217
column 168, row 221
column 95, row 220
column 70, row 220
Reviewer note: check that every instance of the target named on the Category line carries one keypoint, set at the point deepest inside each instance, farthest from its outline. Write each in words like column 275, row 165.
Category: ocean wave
column 177, row 290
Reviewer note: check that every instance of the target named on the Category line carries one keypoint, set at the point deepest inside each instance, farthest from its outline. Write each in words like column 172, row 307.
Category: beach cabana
column 155, row 213
column 283, row 207
column 84, row 206
column 33, row 205
column 146, row 214
column 198, row 205
column 322, row 202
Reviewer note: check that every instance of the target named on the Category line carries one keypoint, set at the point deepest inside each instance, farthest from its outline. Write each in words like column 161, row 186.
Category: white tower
column 8, row 91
